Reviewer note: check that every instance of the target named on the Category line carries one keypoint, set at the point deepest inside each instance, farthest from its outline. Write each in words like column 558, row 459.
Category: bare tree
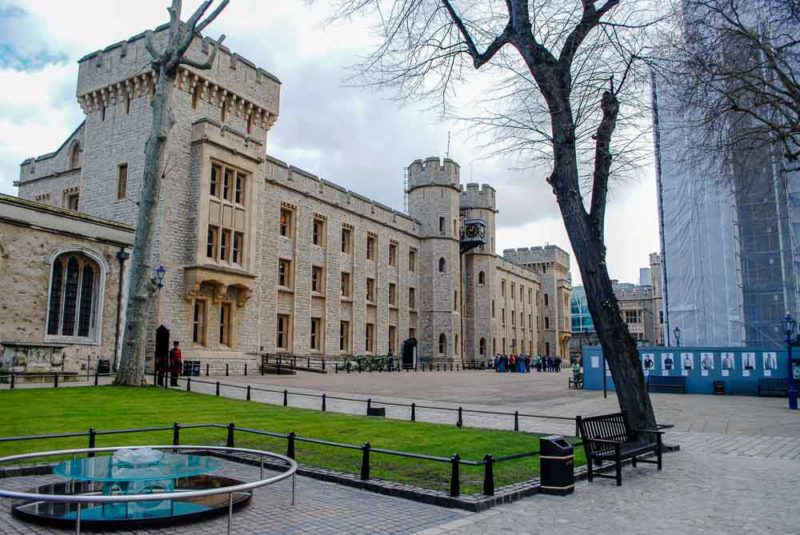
column 567, row 70
column 165, row 64
column 735, row 67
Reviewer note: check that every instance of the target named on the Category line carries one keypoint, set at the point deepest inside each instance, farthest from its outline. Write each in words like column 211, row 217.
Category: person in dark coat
column 175, row 363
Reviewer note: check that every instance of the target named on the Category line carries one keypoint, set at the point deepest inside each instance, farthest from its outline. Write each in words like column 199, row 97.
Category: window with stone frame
column 227, row 218
column 481, row 278
column 455, row 301
column 392, row 294
column 632, row 316
column 74, row 297
column 370, row 290
column 72, row 200
column 199, row 326
column 393, row 254
column 346, row 285
column 287, row 223
column 347, row 240
column 492, row 307
column 392, row 338
column 547, row 322
column 503, row 288
column 503, row 315
column 482, row 347
column 315, row 341
column 371, row 239
column 285, row 273
column 344, row 336
column 442, row 344
column 369, row 342
column 442, row 265
column 318, row 232
column 412, row 298
column 226, row 324
column 412, row 260
column 513, row 287
column 317, row 280
column 283, row 331
column 122, row 181
column 546, row 300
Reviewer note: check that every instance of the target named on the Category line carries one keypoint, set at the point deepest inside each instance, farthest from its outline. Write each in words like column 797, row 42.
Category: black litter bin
column 719, row 388
column 556, row 460
column 103, row 366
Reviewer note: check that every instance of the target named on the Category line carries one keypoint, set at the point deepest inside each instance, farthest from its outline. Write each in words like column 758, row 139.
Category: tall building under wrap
column 730, row 229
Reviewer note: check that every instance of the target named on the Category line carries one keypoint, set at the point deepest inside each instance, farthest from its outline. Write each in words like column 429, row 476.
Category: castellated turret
column 433, row 171
column 478, row 196
column 434, row 199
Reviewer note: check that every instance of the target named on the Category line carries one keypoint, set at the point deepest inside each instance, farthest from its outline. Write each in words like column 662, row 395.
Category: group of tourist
column 523, row 363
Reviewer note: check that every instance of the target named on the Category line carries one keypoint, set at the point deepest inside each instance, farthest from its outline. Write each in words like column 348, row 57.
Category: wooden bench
column 768, row 384
column 575, row 382
column 608, row 438
column 661, row 383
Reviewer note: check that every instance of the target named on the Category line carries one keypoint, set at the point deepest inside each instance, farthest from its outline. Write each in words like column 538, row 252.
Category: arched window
column 441, row 265
column 74, row 296
column 75, row 152
column 482, row 347
column 442, row 344
column 481, row 278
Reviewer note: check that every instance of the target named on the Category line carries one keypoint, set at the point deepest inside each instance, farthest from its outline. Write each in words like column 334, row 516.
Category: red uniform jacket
column 175, row 360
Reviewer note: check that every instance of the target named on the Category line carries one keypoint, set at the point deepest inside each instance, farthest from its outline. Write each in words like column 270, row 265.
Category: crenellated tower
column 477, row 202
column 434, row 199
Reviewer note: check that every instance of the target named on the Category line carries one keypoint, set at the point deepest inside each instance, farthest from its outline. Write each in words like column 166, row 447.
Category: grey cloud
column 22, row 47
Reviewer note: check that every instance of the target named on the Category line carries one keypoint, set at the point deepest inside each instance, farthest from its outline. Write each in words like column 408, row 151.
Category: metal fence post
column 324, row 405
column 12, row 381
column 188, row 383
column 413, row 412
column 245, row 369
column 290, row 445
column 488, row 475
column 231, row 443
column 176, row 434
column 207, row 368
column 226, row 369
column 369, row 404
column 455, row 477
column 96, row 378
column 285, row 398
column 217, row 388
column 365, row 461
column 55, row 384
column 92, row 440
column 248, row 392
column 460, row 421
column 323, row 364
column 516, row 420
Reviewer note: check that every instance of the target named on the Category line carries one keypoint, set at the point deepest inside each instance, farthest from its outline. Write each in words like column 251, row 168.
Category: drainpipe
column 122, row 256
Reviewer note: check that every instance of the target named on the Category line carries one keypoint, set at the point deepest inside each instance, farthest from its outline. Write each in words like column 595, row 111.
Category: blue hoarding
column 739, row 368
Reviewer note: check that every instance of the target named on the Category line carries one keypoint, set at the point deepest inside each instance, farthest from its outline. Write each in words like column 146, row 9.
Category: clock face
column 473, row 231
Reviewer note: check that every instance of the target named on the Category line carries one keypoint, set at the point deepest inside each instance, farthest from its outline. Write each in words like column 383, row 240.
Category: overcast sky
column 359, row 138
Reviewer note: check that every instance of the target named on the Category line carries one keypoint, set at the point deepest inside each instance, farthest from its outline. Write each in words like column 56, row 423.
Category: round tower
column 433, row 199
column 479, row 266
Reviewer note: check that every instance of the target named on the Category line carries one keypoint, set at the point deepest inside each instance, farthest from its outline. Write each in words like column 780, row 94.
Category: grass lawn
column 63, row 410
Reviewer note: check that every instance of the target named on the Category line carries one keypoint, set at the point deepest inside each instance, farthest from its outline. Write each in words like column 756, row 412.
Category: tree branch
column 602, row 160
column 150, row 46
column 478, row 58
column 589, row 20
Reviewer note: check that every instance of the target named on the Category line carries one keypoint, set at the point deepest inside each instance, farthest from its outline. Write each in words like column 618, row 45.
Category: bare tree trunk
column 131, row 369
column 586, row 237
column 142, row 287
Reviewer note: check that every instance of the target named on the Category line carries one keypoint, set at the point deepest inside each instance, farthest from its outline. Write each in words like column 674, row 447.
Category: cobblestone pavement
column 703, row 489
column 320, row 507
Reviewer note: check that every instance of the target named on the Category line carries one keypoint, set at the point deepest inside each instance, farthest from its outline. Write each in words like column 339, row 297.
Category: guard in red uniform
column 175, row 363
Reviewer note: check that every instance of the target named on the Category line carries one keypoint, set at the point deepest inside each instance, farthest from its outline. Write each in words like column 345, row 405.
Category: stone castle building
column 263, row 257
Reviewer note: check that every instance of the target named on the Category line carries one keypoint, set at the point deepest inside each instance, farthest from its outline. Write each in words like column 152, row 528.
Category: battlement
column 538, row 254
column 125, row 66
column 477, row 196
column 433, row 172
column 310, row 185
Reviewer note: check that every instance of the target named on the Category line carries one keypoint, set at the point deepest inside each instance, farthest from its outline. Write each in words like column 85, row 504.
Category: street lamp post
column 789, row 326
column 677, row 332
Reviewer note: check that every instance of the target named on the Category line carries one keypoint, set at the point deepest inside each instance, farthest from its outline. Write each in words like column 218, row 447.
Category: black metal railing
column 231, row 430
column 459, row 412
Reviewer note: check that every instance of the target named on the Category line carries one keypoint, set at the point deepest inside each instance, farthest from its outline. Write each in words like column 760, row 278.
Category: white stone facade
column 253, row 247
